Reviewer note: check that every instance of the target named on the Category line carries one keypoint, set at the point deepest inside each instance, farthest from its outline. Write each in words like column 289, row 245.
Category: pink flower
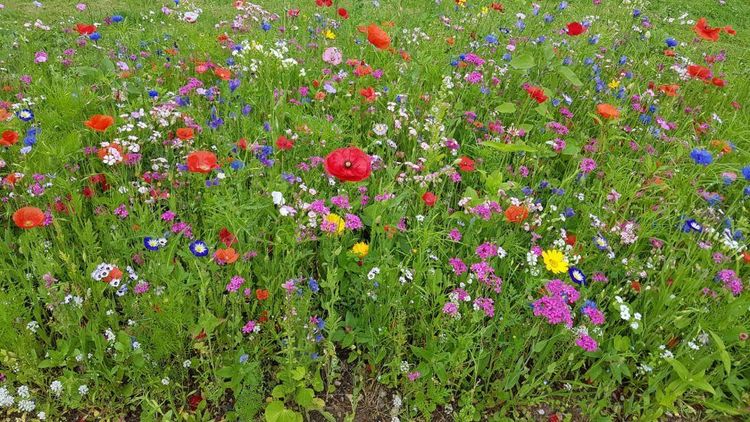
column 414, row 375
column 332, row 56
column 451, row 309
column 140, row 288
column 40, row 57
column 250, row 327
column 81, row 7
column 587, row 343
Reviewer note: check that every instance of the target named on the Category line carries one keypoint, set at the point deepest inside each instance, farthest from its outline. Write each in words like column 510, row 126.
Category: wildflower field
column 374, row 210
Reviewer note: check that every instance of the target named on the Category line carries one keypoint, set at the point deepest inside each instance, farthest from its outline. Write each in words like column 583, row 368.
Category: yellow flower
column 555, row 261
column 361, row 249
column 338, row 221
column 485, row 10
column 329, row 34
column 614, row 84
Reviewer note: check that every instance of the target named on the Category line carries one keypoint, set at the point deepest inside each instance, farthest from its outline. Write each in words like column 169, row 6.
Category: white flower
column 26, row 405
column 41, row 416
column 380, row 129
column 83, row 389
column 165, row 381
column 23, row 392
column 278, row 198
column 187, row 363
column 6, row 399
column 56, row 387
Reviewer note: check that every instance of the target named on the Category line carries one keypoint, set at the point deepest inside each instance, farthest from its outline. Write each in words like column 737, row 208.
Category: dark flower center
column 347, row 164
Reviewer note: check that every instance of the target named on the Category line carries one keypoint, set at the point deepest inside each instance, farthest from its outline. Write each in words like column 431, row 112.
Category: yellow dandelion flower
column 614, row 83
column 329, row 34
column 555, row 261
column 360, row 249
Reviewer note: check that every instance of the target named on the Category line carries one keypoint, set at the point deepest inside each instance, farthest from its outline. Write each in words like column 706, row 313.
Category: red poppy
column 699, row 72
column 570, row 239
column 293, row 13
column 746, row 257
column 348, row 164
column 326, row 3
column 669, row 90
column 575, row 28
column 498, row 6
column 706, row 32
column 226, row 237
column 194, row 400
column 185, row 133
column 429, row 199
column 226, row 256
column 636, row 286
column 283, row 143
column 99, row 122
column 516, row 213
column 466, row 164
column 223, row 74
column 10, row 137
column 242, row 144
column 343, row 13
column 608, row 111
column 261, row 294
column 201, row 161
column 28, row 217
column 84, row 29
column 536, row 93
column 376, row 36
column 368, row 93
column 718, row 82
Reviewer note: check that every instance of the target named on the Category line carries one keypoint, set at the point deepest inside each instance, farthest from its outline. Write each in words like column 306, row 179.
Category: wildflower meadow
column 374, row 210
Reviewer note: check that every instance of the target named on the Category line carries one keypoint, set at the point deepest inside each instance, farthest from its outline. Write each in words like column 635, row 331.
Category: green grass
column 371, row 338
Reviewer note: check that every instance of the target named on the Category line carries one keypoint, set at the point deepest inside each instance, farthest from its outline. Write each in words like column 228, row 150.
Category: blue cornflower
column 701, row 156
column 313, row 285
column 746, row 172
column 491, row 39
column 95, row 36
column 153, row 93
column 671, row 42
column 569, row 212
column 266, row 26
column 636, row 13
column 199, row 248
column 117, row 18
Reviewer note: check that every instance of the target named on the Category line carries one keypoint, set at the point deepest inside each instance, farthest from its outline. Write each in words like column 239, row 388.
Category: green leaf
column 523, row 61
column 568, row 74
column 703, row 385
column 306, row 398
column 506, row 108
column 514, row 147
column 107, row 66
column 276, row 412
column 682, row 372
column 298, row 373
column 725, row 359
column 549, row 53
